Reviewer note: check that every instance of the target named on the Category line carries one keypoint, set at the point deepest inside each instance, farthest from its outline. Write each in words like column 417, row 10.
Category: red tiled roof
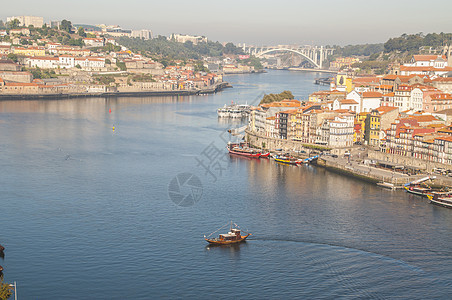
column 372, row 95
column 385, row 109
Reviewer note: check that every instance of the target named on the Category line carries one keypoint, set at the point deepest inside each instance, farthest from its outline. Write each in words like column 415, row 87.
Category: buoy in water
column 113, row 128
column 109, row 110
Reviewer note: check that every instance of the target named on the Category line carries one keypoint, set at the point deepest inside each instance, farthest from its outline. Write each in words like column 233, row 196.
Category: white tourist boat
column 234, row 111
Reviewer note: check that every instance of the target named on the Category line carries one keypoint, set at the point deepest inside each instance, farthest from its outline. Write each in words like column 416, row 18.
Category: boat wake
column 342, row 248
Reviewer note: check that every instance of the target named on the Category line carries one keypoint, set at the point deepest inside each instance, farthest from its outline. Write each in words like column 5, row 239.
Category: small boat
column 234, row 236
column 441, row 198
column 418, row 187
column 265, row 155
column 387, row 185
column 418, row 190
column 287, row 160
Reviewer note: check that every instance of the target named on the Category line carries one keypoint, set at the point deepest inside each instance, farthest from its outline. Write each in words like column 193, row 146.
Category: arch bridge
column 316, row 55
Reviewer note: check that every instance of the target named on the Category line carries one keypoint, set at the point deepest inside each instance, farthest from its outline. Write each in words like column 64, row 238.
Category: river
column 88, row 212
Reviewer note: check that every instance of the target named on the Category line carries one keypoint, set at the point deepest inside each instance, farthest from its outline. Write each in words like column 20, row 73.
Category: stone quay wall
column 406, row 161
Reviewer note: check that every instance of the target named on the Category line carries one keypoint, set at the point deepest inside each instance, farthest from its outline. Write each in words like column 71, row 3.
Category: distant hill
column 414, row 42
column 167, row 48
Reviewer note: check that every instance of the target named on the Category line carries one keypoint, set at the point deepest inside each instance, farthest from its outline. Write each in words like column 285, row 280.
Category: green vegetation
column 199, row 67
column 162, row 47
column 252, row 61
column 42, row 74
column 109, row 47
column 121, row 65
column 317, row 147
column 104, row 79
column 372, row 66
column 276, row 97
column 13, row 57
column 66, row 25
column 5, row 290
column 412, row 42
column 142, row 78
column 358, row 50
column 81, row 32
column 13, row 24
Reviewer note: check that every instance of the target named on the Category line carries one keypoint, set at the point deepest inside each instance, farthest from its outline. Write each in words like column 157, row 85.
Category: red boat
column 234, row 236
column 234, row 149
column 265, row 155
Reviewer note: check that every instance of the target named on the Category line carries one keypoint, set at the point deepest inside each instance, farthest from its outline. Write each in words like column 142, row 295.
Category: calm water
column 85, row 212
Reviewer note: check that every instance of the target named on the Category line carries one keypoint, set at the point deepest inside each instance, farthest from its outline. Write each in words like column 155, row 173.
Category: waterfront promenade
column 360, row 164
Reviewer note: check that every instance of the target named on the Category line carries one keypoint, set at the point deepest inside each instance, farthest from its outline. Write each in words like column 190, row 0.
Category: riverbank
column 245, row 72
column 352, row 166
column 216, row 88
column 311, row 70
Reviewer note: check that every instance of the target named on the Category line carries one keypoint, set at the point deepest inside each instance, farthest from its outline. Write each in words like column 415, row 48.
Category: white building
column 436, row 61
column 341, row 131
column 142, row 34
column 349, row 104
column 181, row 38
column 28, row 20
column 90, row 62
column 366, row 100
column 93, row 42
column 43, row 62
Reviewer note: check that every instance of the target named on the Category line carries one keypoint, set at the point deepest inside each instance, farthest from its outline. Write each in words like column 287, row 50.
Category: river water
column 88, row 212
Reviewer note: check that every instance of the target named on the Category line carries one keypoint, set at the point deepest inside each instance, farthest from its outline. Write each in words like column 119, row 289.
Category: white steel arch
column 290, row 50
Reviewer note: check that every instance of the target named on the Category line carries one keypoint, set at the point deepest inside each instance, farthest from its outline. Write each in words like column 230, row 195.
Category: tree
column 199, row 67
column 66, row 25
column 78, row 66
column 121, row 65
column 5, row 290
column 81, row 32
column 13, row 24
column 12, row 56
column 277, row 97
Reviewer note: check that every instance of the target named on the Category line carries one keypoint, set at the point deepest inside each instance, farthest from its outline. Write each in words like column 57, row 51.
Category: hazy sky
column 260, row 22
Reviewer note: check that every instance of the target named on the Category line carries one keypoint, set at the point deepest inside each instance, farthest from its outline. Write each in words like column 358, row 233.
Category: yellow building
column 344, row 83
column 31, row 51
column 372, row 131
column 361, row 119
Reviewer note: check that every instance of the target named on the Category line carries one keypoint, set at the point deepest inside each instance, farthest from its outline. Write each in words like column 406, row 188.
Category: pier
column 323, row 81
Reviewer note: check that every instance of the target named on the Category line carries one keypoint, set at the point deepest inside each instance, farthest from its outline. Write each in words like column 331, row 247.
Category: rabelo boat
column 234, row 236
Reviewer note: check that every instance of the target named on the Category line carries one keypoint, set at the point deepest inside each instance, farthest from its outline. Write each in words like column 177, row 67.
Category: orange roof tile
column 372, row 95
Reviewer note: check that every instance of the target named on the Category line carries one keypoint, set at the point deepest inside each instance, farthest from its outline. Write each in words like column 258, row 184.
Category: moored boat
column 418, row 190
column 287, row 160
column 244, row 151
column 265, row 155
column 234, row 236
column 441, row 198
column 418, row 187
column 387, row 185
